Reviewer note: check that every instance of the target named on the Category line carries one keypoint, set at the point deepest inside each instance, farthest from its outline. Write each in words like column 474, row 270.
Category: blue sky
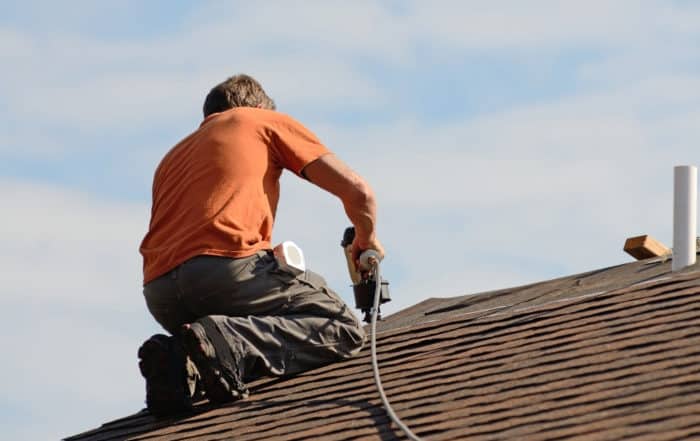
column 508, row 142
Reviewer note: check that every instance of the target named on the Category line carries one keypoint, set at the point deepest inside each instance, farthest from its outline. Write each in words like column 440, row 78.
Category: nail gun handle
column 366, row 259
column 346, row 243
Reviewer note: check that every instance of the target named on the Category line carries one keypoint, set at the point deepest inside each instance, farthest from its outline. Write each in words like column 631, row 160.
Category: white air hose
column 373, row 340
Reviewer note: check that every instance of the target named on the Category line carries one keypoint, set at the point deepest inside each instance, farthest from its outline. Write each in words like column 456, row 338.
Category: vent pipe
column 685, row 216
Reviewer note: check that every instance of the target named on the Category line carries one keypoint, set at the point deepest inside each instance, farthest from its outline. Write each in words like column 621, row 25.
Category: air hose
column 370, row 291
column 375, row 364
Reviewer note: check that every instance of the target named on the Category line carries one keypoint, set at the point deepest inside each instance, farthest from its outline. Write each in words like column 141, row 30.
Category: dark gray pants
column 276, row 323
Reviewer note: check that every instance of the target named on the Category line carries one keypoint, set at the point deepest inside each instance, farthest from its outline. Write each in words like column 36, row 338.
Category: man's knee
column 352, row 339
column 165, row 307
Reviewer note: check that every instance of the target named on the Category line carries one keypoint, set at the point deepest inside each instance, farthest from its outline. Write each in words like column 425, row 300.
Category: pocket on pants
column 312, row 296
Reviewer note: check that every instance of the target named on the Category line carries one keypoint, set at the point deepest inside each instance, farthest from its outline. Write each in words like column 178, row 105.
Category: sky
column 508, row 142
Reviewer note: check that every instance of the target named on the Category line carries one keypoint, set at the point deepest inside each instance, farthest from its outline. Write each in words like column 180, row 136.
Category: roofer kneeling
column 210, row 278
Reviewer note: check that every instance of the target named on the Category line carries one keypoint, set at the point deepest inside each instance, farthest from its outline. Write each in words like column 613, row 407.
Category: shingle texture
column 607, row 355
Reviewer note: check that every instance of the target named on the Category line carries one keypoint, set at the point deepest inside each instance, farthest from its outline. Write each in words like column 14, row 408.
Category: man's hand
column 359, row 246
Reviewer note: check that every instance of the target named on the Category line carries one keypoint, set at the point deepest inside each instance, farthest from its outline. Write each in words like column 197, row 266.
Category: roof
column 609, row 354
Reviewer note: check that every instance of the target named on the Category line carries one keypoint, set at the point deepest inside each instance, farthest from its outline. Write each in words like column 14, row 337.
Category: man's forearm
column 331, row 174
column 361, row 209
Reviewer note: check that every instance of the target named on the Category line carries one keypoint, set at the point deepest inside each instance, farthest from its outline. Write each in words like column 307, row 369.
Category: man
column 210, row 278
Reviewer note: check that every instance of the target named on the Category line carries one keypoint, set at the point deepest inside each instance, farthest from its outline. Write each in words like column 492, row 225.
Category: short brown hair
column 238, row 91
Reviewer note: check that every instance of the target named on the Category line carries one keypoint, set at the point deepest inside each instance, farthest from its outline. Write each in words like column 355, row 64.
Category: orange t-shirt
column 216, row 191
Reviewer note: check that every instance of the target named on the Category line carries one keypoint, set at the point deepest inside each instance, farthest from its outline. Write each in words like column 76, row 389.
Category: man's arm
column 334, row 176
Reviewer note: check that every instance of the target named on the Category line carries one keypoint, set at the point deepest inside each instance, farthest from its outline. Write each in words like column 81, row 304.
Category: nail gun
column 364, row 281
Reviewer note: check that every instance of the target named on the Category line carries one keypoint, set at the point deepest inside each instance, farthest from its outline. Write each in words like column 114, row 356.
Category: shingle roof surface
column 607, row 355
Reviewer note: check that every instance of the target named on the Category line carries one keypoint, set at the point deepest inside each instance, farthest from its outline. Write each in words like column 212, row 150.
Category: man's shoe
column 216, row 365
column 162, row 364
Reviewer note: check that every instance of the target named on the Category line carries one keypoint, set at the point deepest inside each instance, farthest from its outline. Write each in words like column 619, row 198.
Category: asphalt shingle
column 610, row 354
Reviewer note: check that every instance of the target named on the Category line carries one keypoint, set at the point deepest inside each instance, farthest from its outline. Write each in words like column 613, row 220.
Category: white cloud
column 313, row 55
column 14, row 44
column 21, row 144
column 373, row 30
column 76, row 243
column 72, row 298
column 105, row 93
column 69, row 373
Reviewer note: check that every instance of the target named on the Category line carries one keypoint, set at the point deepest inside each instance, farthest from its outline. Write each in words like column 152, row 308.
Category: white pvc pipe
column 685, row 216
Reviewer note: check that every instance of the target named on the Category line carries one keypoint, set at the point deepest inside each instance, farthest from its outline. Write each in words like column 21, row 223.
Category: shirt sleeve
column 294, row 145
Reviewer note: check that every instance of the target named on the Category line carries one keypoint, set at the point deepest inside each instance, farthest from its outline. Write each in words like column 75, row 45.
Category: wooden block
column 644, row 247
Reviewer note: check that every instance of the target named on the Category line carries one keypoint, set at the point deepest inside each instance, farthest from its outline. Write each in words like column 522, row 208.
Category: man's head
column 238, row 91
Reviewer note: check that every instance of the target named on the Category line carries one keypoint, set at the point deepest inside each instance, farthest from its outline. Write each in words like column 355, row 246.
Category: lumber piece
column 645, row 247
